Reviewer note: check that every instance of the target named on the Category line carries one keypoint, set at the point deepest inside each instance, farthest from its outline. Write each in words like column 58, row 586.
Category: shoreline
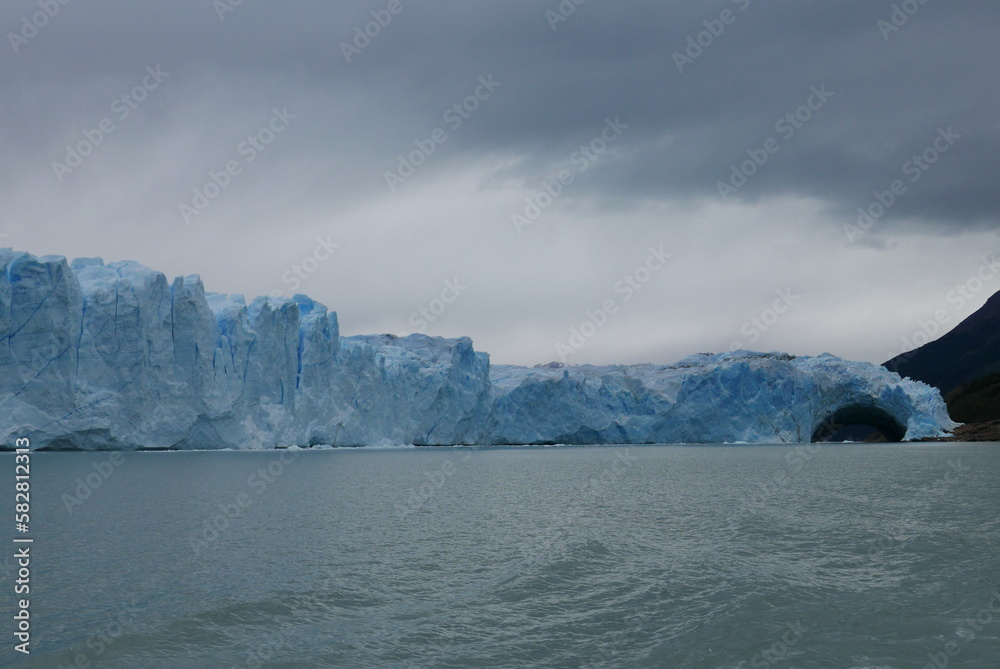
column 988, row 431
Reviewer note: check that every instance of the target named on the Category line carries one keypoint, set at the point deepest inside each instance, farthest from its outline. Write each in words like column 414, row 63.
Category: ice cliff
column 97, row 355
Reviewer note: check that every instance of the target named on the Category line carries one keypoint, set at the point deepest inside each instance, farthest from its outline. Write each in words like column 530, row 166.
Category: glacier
column 115, row 356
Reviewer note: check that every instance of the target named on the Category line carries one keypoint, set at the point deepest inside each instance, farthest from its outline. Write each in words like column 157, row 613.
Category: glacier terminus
column 115, row 356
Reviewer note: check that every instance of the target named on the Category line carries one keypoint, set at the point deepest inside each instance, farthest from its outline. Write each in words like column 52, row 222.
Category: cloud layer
column 376, row 155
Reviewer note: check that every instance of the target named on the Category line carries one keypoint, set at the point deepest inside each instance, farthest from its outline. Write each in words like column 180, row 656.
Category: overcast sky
column 343, row 168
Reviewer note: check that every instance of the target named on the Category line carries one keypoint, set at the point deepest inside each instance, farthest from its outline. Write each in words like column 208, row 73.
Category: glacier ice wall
column 97, row 355
column 742, row 396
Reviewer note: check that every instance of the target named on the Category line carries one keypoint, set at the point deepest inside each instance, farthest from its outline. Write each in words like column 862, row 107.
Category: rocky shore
column 989, row 431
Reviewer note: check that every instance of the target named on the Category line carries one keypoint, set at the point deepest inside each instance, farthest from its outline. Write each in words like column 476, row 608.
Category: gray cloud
column 655, row 184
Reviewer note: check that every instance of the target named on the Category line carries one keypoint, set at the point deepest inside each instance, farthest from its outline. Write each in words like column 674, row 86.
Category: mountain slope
column 976, row 402
column 968, row 352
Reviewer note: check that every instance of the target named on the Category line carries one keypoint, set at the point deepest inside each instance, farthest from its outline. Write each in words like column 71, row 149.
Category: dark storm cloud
column 564, row 74
column 686, row 128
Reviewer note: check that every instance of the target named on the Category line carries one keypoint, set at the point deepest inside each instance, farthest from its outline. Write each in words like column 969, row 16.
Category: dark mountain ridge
column 968, row 352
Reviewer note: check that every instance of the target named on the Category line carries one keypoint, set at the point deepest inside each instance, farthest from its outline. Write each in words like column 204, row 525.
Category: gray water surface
column 648, row 556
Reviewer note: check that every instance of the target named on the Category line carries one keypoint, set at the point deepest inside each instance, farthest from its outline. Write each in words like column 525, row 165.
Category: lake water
column 876, row 555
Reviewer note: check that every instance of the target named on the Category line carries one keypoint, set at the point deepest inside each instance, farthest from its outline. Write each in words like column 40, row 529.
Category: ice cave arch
column 860, row 414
